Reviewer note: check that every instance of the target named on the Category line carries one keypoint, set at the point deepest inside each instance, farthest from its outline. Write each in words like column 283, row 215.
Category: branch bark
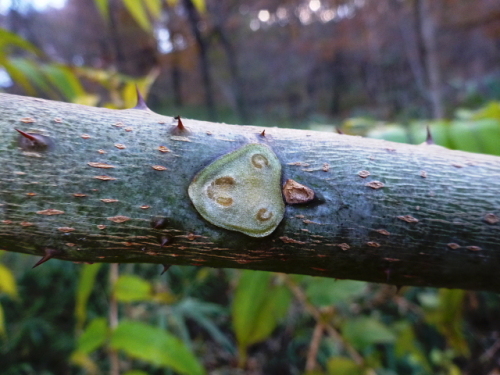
column 386, row 212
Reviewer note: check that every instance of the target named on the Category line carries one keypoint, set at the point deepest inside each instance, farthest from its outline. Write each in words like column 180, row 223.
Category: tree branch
column 101, row 185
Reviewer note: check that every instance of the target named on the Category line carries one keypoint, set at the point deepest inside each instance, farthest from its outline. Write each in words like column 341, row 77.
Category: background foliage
column 380, row 68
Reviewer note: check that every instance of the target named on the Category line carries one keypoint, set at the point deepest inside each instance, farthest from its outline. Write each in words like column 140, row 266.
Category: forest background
column 385, row 68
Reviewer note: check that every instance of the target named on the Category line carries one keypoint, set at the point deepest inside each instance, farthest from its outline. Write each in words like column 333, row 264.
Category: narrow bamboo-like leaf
column 9, row 38
column 93, row 336
column 64, row 79
column 7, row 282
column 154, row 7
column 85, row 286
column 155, row 346
column 31, row 71
column 2, row 323
column 200, row 5
column 138, row 12
column 17, row 76
column 130, row 288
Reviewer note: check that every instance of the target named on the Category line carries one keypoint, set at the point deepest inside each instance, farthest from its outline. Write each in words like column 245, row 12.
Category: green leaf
column 135, row 372
column 31, row 71
column 3, row 332
column 130, row 288
column 93, row 337
column 85, row 286
column 137, row 11
column 365, row 331
column 154, row 7
column 8, row 38
column 155, row 346
column 103, row 8
column 343, row 366
column 257, row 307
column 64, row 79
column 7, row 282
column 326, row 292
column 17, row 76
column 200, row 5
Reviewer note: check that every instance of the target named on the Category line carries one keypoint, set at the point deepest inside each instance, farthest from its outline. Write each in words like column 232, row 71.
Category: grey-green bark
column 423, row 216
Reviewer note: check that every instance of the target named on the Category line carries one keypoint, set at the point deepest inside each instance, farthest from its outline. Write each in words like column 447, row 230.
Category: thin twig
column 312, row 354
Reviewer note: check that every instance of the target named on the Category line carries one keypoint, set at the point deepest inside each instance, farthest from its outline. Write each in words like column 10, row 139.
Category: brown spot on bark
column 145, row 207
column 120, row 146
column 26, row 224
column 408, row 219
column 65, row 229
column 58, row 120
column 118, row 219
column 50, row 212
column 392, row 260
column 101, row 151
column 31, row 194
column 318, row 269
column 7, row 222
column 423, row 174
column 344, row 246
column 100, row 165
column 109, row 200
column 457, row 165
column 79, row 195
column 326, row 167
column 27, row 120
column 129, row 129
column 453, row 245
column 375, row 184
column 70, row 244
column 363, row 174
column 296, row 193
column 85, row 136
column 164, row 149
column 491, row 218
column 474, row 248
column 119, row 124
column 373, row 244
column 105, row 178
column 291, row 240
column 299, row 164
column 159, row 168
column 101, row 227
column 383, row 231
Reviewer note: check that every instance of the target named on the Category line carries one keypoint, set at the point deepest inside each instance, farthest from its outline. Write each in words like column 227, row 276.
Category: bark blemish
column 120, row 146
column 119, row 124
column 31, row 194
column 375, row 185
column 79, row 195
column 363, row 174
column 65, row 229
column 408, row 219
column 28, row 120
column 50, row 212
column 109, row 200
column 383, row 231
column 85, row 136
column 164, row 149
column 423, row 174
column 105, row 178
column 101, row 227
column 101, row 151
column 453, row 245
column 474, row 248
column 26, row 224
column 118, row 219
column 296, row 193
column 344, row 246
column 145, row 207
column 100, row 165
column 58, row 120
column 326, row 167
column 286, row 239
column 491, row 218
column 159, row 167
column 373, row 244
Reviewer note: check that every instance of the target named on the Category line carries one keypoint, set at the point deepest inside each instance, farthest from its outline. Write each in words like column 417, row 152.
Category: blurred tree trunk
column 114, row 189
column 194, row 21
column 426, row 10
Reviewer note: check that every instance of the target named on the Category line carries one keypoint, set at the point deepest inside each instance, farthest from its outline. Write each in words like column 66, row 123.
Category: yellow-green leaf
column 85, row 286
column 138, row 12
column 2, row 323
column 155, row 346
column 154, row 7
column 93, row 337
column 130, row 288
column 7, row 282
column 103, row 8
column 343, row 366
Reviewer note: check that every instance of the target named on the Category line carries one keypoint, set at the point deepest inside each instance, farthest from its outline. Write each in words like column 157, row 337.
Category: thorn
column 180, row 129
column 159, row 223
column 165, row 240
column 429, row 139
column 34, row 142
column 263, row 134
column 49, row 254
column 337, row 129
column 165, row 268
column 141, row 103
